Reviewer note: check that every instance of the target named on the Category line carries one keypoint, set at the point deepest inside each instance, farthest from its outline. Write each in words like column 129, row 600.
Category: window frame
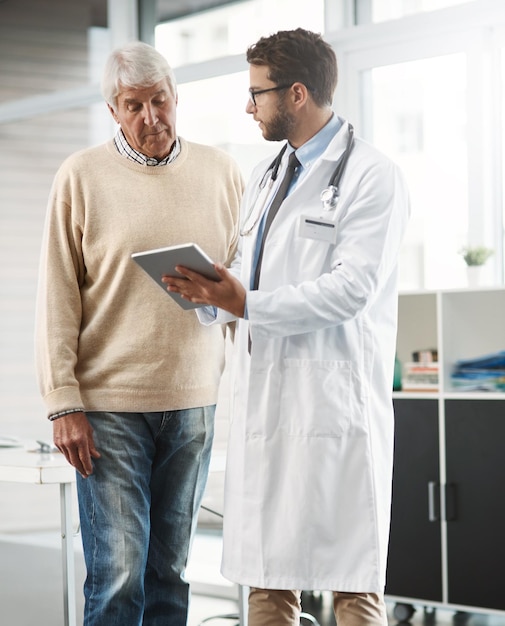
column 476, row 30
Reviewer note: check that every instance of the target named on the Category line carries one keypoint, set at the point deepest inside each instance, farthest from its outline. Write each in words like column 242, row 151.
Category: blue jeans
column 138, row 513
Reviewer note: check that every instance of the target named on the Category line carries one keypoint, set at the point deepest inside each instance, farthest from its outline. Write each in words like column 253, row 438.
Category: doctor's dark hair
column 135, row 65
column 298, row 56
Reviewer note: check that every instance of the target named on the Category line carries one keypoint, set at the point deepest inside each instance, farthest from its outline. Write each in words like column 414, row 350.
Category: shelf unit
column 446, row 544
column 459, row 323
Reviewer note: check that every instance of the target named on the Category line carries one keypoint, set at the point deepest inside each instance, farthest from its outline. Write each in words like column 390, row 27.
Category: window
column 222, row 121
column 230, row 29
column 429, row 92
column 379, row 11
column 418, row 116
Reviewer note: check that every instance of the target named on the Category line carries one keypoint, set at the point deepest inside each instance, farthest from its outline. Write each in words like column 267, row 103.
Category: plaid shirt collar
column 124, row 148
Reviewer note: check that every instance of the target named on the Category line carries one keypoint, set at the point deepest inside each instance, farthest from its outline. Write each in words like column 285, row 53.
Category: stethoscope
column 329, row 196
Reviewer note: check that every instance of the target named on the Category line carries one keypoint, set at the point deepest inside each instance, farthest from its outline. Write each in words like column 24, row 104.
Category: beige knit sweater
column 107, row 336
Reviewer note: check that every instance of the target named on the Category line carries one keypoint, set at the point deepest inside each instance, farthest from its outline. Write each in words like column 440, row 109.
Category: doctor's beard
column 280, row 126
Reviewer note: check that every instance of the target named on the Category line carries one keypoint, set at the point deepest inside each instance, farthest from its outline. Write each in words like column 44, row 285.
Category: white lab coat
column 309, row 463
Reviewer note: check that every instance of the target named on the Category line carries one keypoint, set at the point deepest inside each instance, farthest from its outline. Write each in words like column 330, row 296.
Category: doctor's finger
column 174, row 281
column 193, row 276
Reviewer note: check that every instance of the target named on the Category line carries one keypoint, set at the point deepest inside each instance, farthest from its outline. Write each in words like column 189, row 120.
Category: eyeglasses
column 253, row 94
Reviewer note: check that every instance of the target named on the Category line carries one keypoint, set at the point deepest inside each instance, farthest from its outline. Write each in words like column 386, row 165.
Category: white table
column 18, row 465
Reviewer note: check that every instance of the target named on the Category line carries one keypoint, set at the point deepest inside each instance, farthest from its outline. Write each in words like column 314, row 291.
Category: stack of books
column 486, row 373
column 420, row 376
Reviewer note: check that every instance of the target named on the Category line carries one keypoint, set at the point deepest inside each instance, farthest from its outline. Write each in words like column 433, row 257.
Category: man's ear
column 113, row 113
column 300, row 93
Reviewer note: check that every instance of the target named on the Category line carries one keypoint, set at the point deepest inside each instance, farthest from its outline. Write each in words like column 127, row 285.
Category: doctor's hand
column 227, row 293
column 73, row 436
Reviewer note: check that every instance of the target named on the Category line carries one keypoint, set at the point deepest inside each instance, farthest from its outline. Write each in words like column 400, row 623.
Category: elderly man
column 129, row 378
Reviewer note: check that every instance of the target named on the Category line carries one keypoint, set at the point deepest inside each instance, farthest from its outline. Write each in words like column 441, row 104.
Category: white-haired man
column 130, row 379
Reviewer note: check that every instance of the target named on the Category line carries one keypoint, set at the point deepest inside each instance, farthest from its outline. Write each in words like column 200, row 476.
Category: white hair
column 135, row 65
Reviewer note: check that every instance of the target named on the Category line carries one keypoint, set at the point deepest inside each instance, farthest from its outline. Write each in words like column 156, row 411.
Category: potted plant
column 475, row 257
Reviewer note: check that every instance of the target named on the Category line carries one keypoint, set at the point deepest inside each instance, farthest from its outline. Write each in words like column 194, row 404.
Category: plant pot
column 474, row 275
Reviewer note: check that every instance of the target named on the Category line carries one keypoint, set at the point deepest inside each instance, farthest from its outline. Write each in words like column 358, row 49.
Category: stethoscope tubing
column 329, row 195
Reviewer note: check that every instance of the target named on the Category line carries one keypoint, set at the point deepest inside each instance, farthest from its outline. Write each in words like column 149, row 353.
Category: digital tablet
column 162, row 262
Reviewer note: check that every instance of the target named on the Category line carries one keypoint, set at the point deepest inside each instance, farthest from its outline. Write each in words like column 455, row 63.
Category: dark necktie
column 293, row 163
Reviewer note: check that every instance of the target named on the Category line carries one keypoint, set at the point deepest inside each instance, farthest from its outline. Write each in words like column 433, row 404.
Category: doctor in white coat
column 309, row 465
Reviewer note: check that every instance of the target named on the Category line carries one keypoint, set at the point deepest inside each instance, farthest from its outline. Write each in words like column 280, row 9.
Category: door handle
column 433, row 501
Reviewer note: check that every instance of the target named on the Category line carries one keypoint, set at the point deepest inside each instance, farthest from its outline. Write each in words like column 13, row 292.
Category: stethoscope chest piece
column 329, row 198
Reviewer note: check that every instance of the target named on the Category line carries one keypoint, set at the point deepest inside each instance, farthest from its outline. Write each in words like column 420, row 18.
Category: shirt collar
column 316, row 145
column 124, row 148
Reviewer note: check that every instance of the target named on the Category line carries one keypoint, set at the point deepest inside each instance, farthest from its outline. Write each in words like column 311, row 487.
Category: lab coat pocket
column 316, row 397
column 263, row 417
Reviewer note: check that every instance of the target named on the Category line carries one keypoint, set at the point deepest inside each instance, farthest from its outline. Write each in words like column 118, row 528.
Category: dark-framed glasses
column 253, row 93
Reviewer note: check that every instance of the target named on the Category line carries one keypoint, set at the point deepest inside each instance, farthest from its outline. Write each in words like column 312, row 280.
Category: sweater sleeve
column 58, row 316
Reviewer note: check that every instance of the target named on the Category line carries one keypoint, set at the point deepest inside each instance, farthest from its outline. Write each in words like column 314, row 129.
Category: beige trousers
column 277, row 607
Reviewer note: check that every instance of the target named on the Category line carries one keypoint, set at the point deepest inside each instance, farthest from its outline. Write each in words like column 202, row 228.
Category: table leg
column 67, row 547
column 243, row 604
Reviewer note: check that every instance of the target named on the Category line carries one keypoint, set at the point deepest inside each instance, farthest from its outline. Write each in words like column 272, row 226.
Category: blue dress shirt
column 307, row 154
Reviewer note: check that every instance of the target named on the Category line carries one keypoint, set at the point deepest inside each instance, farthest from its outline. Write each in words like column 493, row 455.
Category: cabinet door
column 415, row 562
column 475, row 435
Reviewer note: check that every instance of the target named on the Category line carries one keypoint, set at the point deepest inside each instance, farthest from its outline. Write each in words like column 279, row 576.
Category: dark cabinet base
column 471, row 501
column 414, row 561
column 475, row 460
